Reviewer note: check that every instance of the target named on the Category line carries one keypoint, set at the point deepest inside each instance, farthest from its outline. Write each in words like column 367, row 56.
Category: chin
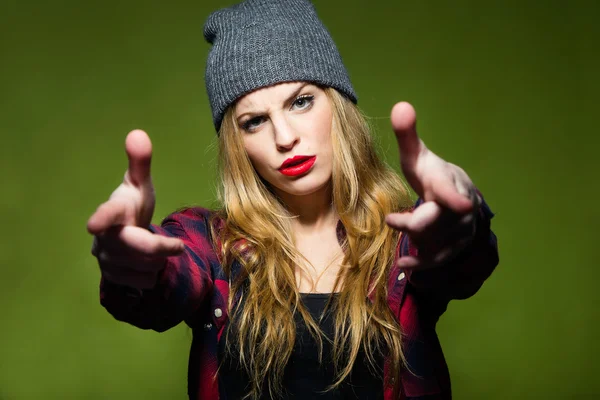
column 303, row 187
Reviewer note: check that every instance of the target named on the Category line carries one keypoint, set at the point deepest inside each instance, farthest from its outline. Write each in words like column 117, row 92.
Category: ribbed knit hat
column 259, row 43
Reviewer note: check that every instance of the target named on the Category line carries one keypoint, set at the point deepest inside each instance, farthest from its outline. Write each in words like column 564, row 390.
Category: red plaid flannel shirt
column 193, row 288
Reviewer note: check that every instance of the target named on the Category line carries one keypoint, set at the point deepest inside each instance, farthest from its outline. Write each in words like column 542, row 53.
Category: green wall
column 507, row 90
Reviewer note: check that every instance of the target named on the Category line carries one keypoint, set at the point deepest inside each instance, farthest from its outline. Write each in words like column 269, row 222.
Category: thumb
column 404, row 123
column 139, row 152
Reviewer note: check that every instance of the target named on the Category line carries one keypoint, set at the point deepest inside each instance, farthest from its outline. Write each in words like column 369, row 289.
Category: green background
column 507, row 90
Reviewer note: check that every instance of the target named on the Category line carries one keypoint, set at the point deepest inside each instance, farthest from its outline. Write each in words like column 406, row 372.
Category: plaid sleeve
column 181, row 286
column 463, row 276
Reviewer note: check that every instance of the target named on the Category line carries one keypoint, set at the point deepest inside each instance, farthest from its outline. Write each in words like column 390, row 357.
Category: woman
column 316, row 278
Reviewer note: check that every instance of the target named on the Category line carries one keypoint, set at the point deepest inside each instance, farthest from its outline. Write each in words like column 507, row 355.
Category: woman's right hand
column 127, row 252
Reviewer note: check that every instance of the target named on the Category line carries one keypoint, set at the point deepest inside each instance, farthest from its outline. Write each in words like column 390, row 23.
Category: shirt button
column 401, row 276
column 207, row 327
column 218, row 312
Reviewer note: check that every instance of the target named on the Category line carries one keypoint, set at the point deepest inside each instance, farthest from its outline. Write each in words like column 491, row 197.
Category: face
column 286, row 130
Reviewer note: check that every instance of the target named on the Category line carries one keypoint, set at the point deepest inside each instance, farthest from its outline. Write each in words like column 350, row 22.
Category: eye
column 303, row 102
column 252, row 124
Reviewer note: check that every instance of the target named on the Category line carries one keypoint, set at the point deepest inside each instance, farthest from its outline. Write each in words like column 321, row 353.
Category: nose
column 285, row 135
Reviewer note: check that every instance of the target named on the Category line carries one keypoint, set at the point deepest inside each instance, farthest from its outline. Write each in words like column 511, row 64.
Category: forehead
column 269, row 96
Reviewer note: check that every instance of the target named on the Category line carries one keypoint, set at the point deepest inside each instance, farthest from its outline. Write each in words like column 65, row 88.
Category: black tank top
column 304, row 376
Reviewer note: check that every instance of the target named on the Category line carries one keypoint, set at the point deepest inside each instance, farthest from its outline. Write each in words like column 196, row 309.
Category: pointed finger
column 139, row 152
column 404, row 123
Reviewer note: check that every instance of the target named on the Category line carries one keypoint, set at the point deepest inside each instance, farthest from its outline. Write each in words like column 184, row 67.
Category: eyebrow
column 287, row 101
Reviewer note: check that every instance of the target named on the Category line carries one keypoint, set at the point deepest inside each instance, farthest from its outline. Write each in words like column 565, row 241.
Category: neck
column 314, row 212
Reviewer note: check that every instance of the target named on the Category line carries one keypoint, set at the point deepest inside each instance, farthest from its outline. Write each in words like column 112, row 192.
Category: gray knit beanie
column 260, row 43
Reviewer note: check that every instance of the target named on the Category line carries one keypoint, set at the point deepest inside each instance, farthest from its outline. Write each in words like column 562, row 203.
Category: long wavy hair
column 256, row 231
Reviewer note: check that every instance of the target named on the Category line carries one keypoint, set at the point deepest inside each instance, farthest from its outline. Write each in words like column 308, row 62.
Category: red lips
column 294, row 161
column 298, row 165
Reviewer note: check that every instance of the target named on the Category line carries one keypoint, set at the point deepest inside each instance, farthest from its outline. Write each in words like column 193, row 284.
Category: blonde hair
column 256, row 230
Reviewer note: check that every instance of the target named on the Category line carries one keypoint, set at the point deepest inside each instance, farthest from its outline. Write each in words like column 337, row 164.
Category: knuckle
column 104, row 258
column 442, row 256
column 467, row 219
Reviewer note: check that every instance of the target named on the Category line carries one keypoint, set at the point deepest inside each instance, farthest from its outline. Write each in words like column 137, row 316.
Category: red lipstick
column 297, row 165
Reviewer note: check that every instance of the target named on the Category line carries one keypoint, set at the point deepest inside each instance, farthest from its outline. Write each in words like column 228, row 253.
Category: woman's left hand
column 444, row 224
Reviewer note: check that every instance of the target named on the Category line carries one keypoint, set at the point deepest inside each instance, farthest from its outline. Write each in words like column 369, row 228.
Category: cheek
column 323, row 129
column 323, row 139
column 257, row 156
